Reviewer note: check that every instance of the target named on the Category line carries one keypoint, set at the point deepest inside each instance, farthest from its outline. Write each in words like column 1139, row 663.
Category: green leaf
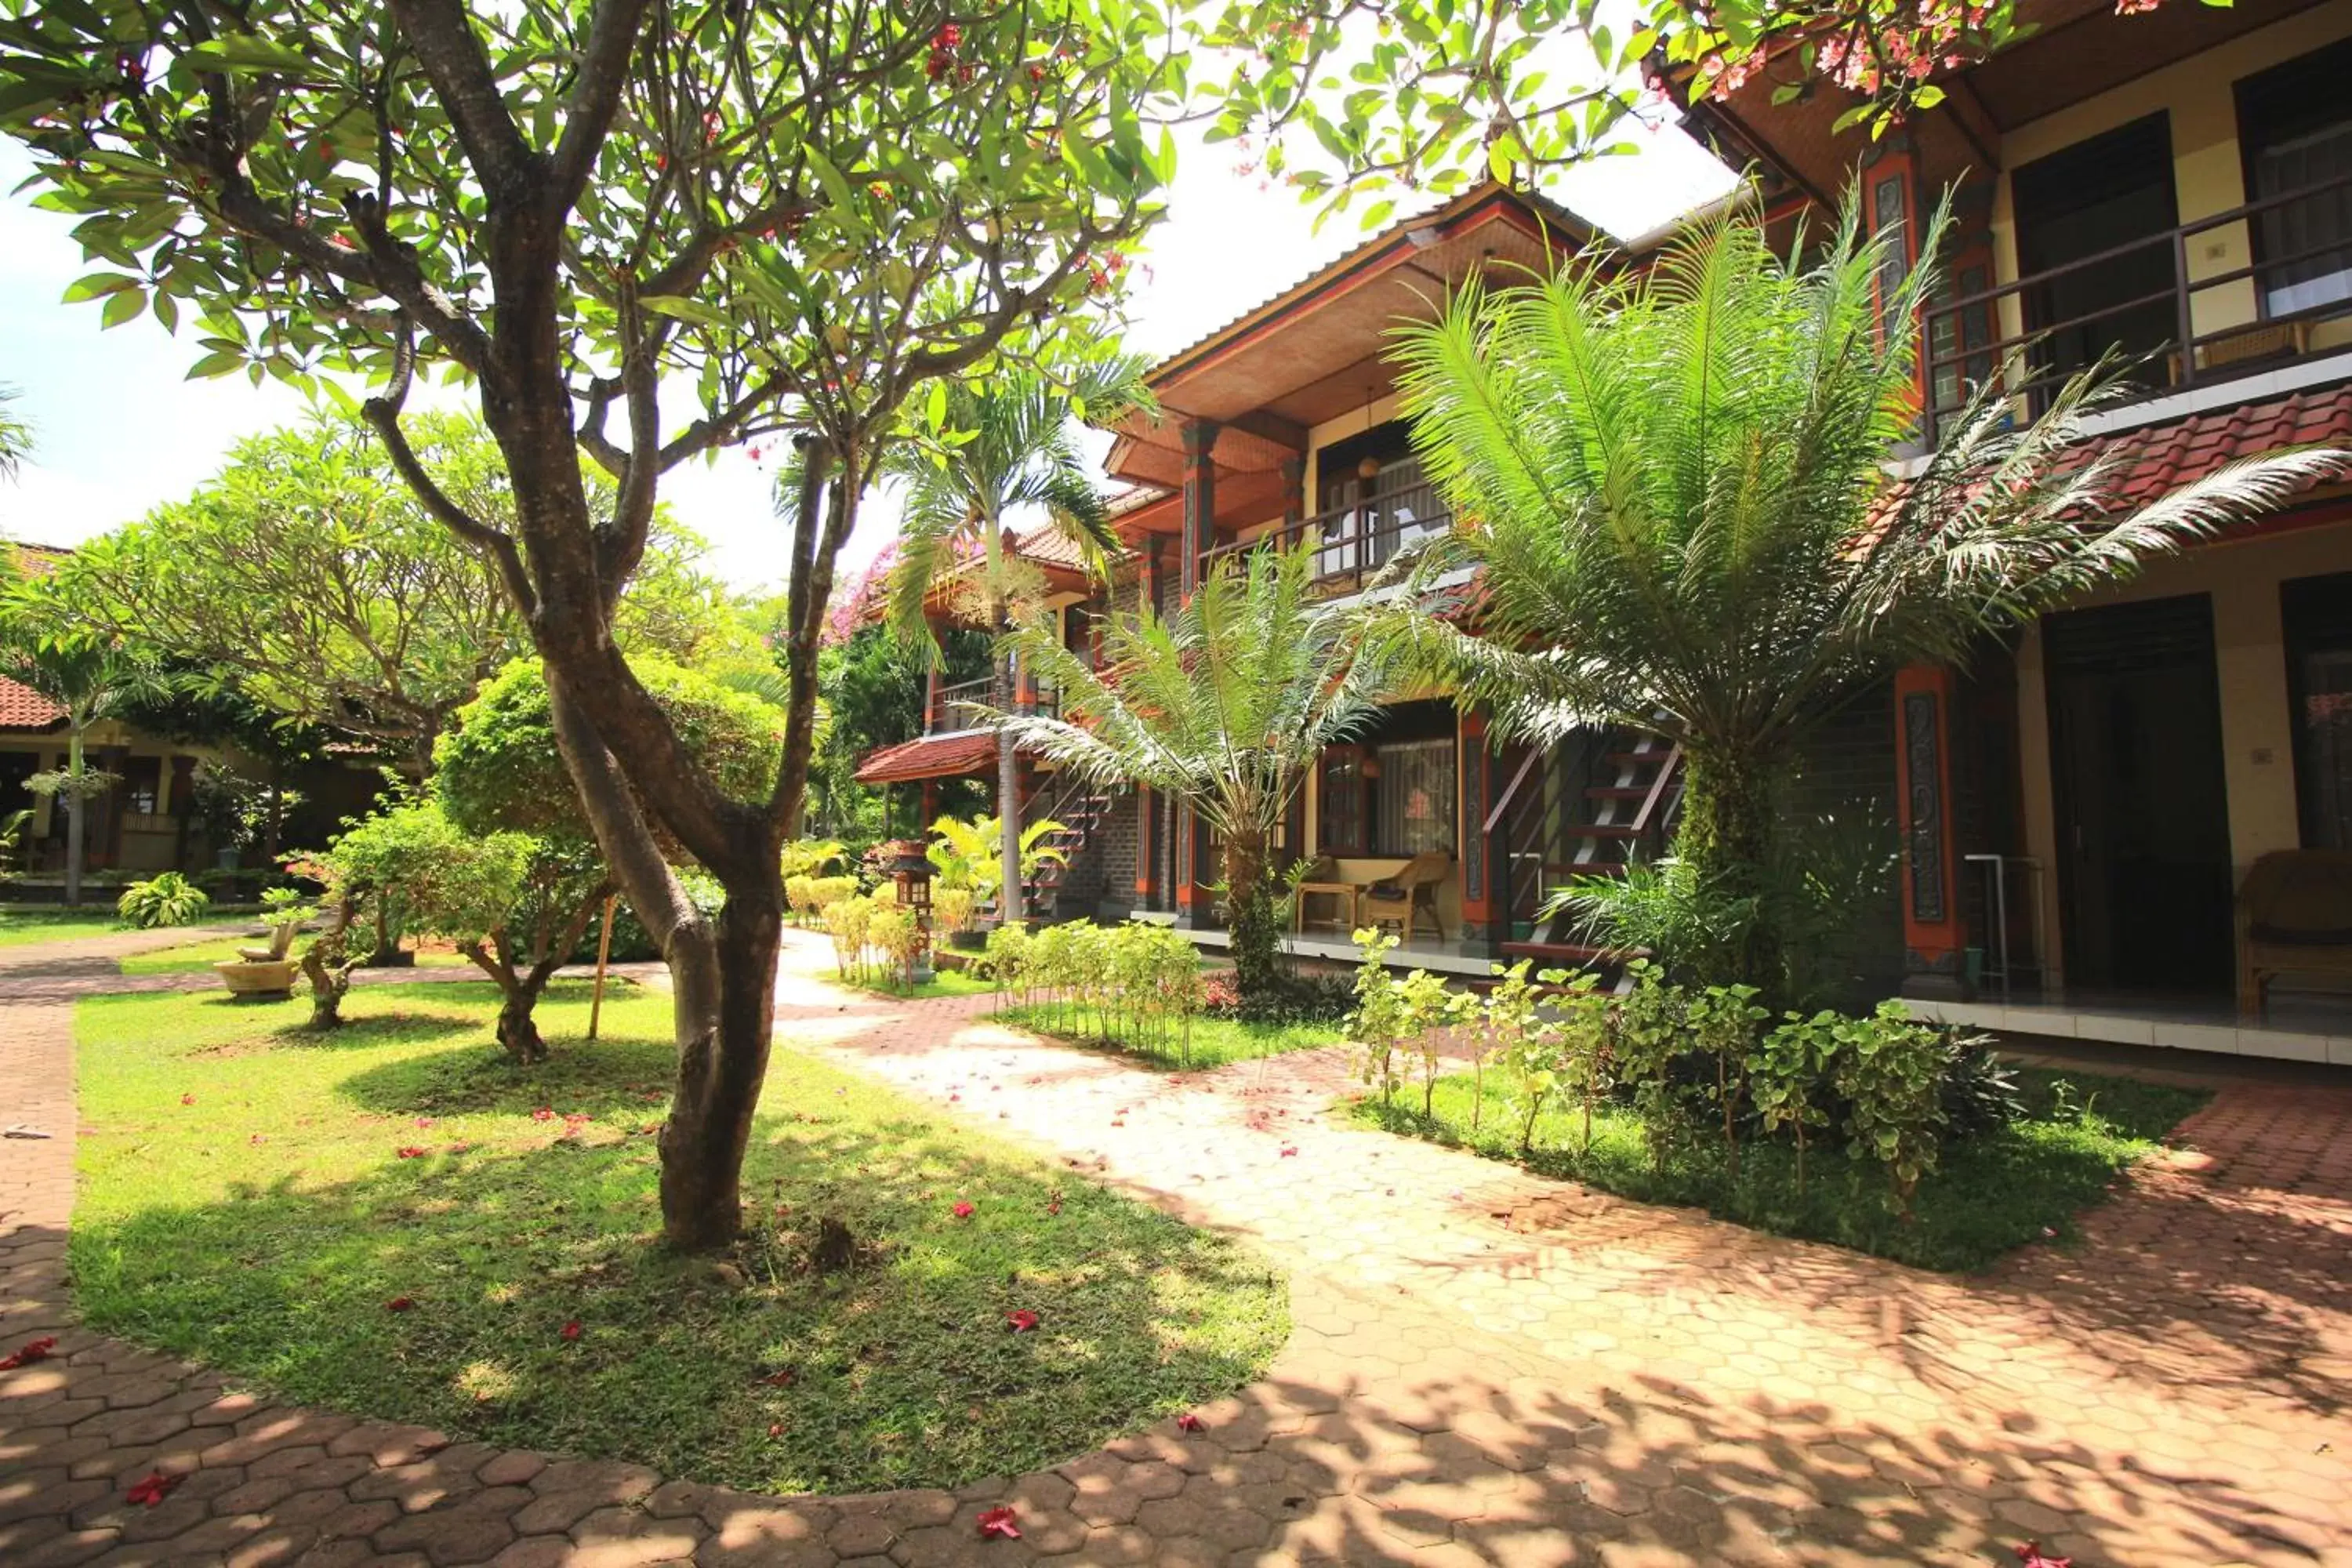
column 122, row 306
column 242, row 52
column 693, row 311
column 97, row 286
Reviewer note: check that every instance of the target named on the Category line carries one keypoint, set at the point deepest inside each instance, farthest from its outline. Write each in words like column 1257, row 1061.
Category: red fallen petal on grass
column 187, row 1100
column 1188, row 1421
column 28, row 1353
column 544, row 1114
column 459, row 1147
column 1054, row 1204
column 1289, row 1152
column 962, row 1210
column 1000, row 1523
column 258, row 1139
column 411, row 1152
column 400, row 1304
column 775, row 1429
column 572, row 1330
column 424, row 1122
column 2031, row 1555
column 779, row 1379
column 153, row 1488
column 1022, row 1321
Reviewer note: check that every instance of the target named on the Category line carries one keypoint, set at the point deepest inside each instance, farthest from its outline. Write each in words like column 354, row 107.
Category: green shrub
column 1890, row 1069
column 166, row 900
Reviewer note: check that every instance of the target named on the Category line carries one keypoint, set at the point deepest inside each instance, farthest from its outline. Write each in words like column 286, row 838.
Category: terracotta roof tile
column 22, row 708
column 932, row 757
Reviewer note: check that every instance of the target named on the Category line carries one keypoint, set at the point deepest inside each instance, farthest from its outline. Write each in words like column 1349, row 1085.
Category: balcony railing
column 1968, row 341
column 958, row 706
column 1352, row 542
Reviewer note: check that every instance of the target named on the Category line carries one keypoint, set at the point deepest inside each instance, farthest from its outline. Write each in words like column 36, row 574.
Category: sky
column 118, row 429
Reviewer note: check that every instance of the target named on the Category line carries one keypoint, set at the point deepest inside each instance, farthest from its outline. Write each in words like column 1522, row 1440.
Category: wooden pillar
column 1934, row 933
column 932, row 714
column 930, row 806
column 1484, row 925
column 1199, row 501
column 1147, row 850
column 1294, row 488
column 180, row 801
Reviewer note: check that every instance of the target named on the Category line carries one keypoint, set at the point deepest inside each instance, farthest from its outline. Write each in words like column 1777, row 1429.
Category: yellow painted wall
column 2198, row 94
column 2250, row 658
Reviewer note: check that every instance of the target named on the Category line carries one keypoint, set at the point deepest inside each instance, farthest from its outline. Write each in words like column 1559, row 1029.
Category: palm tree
column 1224, row 706
column 1005, row 446
column 1673, row 486
column 16, row 435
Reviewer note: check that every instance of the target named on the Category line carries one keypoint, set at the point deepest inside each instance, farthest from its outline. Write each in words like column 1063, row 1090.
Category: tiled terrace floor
column 1487, row 1368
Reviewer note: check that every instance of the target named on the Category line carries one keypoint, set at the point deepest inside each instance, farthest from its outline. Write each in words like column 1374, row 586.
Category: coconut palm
column 1007, row 446
column 1673, row 485
column 1223, row 705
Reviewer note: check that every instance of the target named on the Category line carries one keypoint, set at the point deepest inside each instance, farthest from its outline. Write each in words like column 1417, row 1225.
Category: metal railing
column 1965, row 343
column 1351, row 542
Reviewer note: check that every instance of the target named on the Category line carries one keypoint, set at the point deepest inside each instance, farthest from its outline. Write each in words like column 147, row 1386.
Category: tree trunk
column 1009, row 903
column 75, row 817
column 1727, row 839
column 1257, row 942
column 519, row 1034
column 726, row 990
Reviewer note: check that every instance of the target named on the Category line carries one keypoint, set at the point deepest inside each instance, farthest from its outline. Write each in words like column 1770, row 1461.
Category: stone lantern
column 910, row 866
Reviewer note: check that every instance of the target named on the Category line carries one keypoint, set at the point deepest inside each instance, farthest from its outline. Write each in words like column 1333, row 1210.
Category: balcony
column 958, row 706
column 1352, row 543
column 2151, row 300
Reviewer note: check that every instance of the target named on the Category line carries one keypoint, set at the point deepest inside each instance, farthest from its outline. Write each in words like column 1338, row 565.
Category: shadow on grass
column 904, row 1369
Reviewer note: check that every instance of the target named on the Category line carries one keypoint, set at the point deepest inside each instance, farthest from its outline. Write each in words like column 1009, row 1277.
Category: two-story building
column 2078, row 807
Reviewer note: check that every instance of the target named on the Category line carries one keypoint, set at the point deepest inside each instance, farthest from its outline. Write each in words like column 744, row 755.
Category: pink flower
column 1000, row 1523
column 961, row 1209
column 2031, row 1555
column 1022, row 1321
column 572, row 1330
column 1188, row 1421
column 544, row 1114
column 411, row 1152
column 156, row 1486
column 1289, row 1152
column 187, row 1100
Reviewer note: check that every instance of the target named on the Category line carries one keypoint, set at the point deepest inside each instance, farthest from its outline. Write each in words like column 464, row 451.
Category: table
column 1347, row 895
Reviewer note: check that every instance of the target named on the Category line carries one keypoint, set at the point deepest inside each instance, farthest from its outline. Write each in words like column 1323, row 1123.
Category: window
column 1890, row 208
column 1340, row 815
column 2295, row 129
column 142, row 782
column 1955, row 374
column 2078, row 210
column 2318, row 614
column 1414, row 805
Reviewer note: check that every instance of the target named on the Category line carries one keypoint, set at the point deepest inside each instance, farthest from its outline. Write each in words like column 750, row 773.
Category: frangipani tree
column 1674, row 486
column 1224, row 705
column 1005, row 445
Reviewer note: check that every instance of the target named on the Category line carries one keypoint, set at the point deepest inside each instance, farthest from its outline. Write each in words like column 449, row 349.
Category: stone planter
column 262, row 981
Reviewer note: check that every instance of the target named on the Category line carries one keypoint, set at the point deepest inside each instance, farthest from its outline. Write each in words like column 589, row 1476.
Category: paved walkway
column 1487, row 1368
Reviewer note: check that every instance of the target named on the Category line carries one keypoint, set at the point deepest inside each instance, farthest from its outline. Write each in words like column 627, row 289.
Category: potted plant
column 266, row 974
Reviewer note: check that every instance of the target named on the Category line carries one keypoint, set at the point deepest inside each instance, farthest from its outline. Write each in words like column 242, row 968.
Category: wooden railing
column 1965, row 343
column 1351, row 542
column 958, row 706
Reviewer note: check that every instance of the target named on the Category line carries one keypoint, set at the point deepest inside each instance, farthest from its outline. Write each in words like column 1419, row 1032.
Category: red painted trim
column 1938, row 940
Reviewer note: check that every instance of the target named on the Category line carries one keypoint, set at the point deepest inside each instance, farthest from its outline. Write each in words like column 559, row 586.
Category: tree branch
column 442, row 36
column 595, row 98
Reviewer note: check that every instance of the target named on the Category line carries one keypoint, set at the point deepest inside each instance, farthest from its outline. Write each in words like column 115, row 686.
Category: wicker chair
column 1407, row 893
column 2294, row 917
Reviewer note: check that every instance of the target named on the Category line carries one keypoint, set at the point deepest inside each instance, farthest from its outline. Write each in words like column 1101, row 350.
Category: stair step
column 1600, row 830
column 1554, row 870
column 1569, row 952
column 1618, row 792
column 1636, row 758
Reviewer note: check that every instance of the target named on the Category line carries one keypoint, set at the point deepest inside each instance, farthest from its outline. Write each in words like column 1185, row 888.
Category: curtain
column 2322, row 219
column 1416, row 797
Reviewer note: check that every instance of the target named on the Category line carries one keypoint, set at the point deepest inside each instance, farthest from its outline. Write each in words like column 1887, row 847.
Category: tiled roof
column 22, row 708
column 2156, row 460
column 932, row 757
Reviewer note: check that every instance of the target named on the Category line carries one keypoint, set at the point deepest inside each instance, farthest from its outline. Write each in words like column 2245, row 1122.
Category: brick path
column 1487, row 1367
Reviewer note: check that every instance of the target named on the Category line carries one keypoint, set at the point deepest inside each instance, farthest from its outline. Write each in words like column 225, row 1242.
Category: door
column 2145, row 883
column 2082, row 203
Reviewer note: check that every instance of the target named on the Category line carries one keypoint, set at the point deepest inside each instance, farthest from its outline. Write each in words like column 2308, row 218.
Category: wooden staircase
column 1082, row 809
column 1589, row 807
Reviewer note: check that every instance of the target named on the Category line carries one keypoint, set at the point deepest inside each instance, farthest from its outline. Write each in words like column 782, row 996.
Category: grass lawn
column 1214, row 1043
column 19, row 925
column 1987, row 1195
column 198, row 958
column 244, row 1201
column 943, row 982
